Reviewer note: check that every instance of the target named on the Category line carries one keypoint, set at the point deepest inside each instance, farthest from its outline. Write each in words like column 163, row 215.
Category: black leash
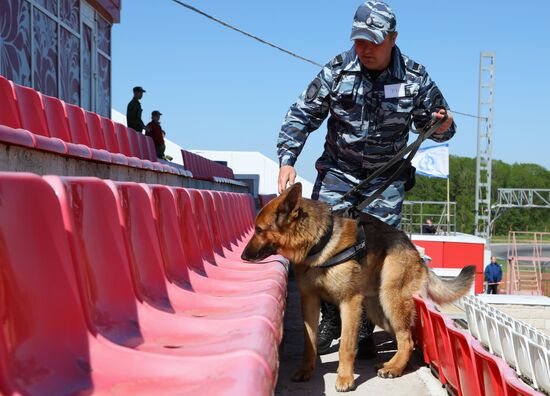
column 360, row 248
column 412, row 148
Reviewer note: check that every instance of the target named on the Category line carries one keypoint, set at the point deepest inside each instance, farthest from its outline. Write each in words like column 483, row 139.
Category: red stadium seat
column 197, row 241
column 144, row 148
column 33, row 119
column 440, row 324
column 111, row 142
column 97, row 138
column 147, row 262
column 102, row 265
column 10, row 123
column 58, row 126
column 124, row 145
column 45, row 353
column 80, row 134
column 489, row 371
column 461, row 347
column 429, row 349
column 181, row 253
column 213, row 249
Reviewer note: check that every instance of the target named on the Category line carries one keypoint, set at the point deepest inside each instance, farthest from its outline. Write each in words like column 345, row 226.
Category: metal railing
column 415, row 214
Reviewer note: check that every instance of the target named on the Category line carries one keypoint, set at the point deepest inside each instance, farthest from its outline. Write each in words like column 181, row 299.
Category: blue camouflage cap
column 373, row 21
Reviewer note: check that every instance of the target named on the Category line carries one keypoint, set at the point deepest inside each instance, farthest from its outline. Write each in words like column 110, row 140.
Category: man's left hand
column 447, row 124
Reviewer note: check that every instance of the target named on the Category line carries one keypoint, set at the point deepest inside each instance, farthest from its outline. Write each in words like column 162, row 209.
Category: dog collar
column 324, row 240
column 356, row 251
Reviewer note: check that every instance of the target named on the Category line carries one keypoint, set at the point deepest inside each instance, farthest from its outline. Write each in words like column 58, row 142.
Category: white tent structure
column 254, row 163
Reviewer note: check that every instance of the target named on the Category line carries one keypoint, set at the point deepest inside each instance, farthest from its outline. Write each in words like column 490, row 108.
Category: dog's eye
column 258, row 230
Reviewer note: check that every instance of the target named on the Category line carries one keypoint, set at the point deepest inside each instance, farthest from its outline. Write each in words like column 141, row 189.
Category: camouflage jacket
column 369, row 120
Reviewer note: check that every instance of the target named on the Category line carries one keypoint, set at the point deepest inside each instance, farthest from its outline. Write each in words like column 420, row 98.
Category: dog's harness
column 353, row 252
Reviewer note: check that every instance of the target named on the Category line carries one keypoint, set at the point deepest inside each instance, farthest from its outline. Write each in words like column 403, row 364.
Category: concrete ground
column 417, row 380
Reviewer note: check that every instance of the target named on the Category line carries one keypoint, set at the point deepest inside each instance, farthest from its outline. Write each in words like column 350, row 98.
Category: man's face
column 156, row 118
column 138, row 94
column 375, row 57
column 493, row 259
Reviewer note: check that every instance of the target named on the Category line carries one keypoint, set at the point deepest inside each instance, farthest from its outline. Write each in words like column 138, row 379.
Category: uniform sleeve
column 131, row 112
column 429, row 100
column 304, row 117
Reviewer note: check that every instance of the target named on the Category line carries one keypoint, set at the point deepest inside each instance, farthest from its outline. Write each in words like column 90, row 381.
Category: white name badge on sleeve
column 394, row 91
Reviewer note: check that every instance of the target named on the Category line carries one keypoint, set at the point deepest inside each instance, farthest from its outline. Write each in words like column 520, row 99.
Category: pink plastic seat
column 488, row 371
column 45, row 346
column 135, row 149
column 108, row 288
column 79, row 132
column 213, row 252
column 33, row 119
column 440, row 324
column 10, row 124
column 463, row 355
column 58, row 126
column 182, row 258
column 429, row 348
column 220, row 212
column 136, row 211
column 196, row 241
column 97, row 138
column 124, row 145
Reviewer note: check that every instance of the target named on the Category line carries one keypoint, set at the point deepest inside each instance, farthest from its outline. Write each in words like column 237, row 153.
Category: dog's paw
column 389, row 372
column 303, row 374
column 345, row 383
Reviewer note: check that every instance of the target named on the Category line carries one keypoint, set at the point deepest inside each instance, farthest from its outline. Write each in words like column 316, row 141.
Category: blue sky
column 220, row 90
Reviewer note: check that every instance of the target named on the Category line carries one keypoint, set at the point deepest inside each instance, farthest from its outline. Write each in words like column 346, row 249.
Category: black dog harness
column 353, row 252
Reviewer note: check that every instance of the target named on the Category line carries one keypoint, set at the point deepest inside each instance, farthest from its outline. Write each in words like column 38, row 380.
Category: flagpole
column 448, row 205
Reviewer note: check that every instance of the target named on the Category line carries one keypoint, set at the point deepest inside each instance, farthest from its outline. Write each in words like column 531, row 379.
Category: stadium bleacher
column 45, row 123
column 464, row 362
column 99, row 309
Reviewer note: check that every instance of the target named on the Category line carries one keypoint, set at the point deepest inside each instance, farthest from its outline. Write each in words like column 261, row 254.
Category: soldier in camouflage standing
column 373, row 94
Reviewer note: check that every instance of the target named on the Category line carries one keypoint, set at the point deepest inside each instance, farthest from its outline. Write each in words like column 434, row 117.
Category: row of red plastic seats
column 132, row 289
column 460, row 361
column 30, row 119
column 205, row 169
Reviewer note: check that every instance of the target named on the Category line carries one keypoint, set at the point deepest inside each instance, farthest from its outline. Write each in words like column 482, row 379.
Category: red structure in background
column 455, row 251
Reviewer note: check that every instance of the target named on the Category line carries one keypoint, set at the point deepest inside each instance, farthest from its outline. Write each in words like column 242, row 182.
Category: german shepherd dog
column 382, row 282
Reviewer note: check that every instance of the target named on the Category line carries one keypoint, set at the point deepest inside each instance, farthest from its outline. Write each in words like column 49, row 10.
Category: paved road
column 500, row 250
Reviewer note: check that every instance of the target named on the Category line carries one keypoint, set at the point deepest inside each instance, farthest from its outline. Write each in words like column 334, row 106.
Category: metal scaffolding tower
column 484, row 144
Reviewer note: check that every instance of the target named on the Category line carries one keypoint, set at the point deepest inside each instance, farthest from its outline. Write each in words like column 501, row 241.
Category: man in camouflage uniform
column 373, row 94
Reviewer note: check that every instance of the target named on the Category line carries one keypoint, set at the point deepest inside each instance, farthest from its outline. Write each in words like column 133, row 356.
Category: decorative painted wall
column 49, row 45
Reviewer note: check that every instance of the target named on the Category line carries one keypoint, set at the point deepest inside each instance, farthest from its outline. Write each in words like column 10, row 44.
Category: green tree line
column 462, row 191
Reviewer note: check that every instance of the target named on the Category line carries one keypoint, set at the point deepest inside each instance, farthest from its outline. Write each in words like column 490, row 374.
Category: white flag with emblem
column 432, row 161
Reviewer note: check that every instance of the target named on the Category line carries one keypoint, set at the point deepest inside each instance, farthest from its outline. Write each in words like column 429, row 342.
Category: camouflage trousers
column 332, row 184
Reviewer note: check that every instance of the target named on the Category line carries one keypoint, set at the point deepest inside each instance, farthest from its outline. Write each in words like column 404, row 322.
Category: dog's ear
column 289, row 207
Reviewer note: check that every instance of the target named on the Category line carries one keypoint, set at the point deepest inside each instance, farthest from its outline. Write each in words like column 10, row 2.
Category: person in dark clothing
column 154, row 130
column 133, row 112
column 493, row 276
column 429, row 227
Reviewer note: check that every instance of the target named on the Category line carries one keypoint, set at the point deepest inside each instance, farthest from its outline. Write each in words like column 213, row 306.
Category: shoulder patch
column 415, row 67
column 313, row 89
column 337, row 61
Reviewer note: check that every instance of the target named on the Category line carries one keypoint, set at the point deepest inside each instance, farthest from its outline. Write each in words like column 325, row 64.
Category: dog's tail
column 445, row 291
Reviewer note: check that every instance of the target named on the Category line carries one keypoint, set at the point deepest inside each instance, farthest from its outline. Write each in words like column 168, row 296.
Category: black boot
column 366, row 349
column 329, row 328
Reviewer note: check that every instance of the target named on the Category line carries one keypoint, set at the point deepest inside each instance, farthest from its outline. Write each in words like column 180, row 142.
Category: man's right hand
column 287, row 176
